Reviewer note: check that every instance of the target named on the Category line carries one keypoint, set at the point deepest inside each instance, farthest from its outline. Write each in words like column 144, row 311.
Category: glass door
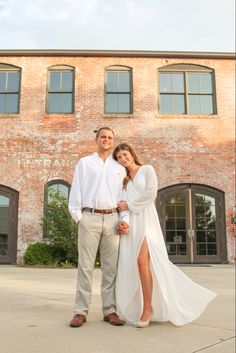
column 192, row 220
column 8, row 225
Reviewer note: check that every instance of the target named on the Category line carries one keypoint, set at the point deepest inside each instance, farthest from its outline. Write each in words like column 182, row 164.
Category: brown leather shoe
column 78, row 320
column 113, row 319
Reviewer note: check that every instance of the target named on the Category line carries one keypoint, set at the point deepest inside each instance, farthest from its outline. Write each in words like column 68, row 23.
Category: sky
column 159, row 25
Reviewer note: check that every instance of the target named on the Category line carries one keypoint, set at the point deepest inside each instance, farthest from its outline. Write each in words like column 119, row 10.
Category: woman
column 149, row 286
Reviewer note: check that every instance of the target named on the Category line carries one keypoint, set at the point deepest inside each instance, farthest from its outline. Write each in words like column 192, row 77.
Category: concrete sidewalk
column 36, row 306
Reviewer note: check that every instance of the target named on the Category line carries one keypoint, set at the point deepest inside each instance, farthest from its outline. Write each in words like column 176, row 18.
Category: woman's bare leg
column 146, row 280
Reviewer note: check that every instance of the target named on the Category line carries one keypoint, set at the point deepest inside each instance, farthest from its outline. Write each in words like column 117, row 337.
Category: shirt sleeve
column 138, row 203
column 123, row 215
column 75, row 195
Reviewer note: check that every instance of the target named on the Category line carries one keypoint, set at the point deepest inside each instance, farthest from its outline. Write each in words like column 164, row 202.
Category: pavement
column 36, row 305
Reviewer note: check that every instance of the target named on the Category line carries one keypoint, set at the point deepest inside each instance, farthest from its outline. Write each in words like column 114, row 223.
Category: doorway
column 192, row 218
column 8, row 225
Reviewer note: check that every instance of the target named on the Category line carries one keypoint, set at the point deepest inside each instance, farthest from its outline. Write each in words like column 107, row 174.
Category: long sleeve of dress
column 75, row 196
column 139, row 202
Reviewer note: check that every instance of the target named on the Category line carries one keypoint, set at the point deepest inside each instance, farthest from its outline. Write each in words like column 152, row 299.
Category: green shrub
column 39, row 254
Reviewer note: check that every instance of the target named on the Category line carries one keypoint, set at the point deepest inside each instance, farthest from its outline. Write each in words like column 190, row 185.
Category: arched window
column 60, row 90
column 118, row 90
column 9, row 89
column 187, row 89
column 54, row 190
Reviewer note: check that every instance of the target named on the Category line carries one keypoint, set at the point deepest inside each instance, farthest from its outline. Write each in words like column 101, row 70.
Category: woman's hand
column 122, row 206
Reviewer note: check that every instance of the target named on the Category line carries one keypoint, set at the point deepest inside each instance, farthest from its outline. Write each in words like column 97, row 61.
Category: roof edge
column 118, row 53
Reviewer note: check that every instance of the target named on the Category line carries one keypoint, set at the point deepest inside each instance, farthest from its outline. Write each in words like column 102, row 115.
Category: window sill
column 114, row 115
column 187, row 116
column 59, row 115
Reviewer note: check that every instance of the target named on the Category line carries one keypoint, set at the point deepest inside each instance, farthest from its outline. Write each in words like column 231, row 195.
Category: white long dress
column 175, row 297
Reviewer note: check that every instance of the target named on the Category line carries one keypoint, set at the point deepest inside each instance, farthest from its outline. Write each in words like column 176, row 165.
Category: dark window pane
column 54, row 103
column 165, row 104
column 3, row 238
column 178, row 104
column 3, row 76
column 200, row 211
column 3, row 250
column 177, row 199
column 124, row 103
column 211, row 249
column 170, row 211
column 178, row 239
column 171, row 249
column 181, row 224
column 180, row 211
column 201, row 236
column 112, row 103
column 177, row 83
column 206, row 105
column 181, row 249
column 13, row 82
column 182, row 234
column 124, row 82
column 54, row 81
column 170, row 224
column 112, row 82
column 211, row 236
column 170, row 236
column 11, row 103
column 65, row 103
column 200, row 223
column 67, row 81
column 201, row 249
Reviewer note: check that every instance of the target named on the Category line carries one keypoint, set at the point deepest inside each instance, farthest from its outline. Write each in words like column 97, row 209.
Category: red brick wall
column 37, row 147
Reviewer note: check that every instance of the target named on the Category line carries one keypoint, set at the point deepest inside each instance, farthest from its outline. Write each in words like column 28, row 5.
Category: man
column 96, row 186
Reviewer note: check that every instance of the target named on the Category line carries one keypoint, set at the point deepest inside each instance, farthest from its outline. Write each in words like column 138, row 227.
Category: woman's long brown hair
column 126, row 147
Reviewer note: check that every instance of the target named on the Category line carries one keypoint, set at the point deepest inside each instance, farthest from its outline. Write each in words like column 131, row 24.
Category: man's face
column 105, row 141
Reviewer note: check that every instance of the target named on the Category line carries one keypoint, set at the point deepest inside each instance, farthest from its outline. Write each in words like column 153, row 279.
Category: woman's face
column 125, row 158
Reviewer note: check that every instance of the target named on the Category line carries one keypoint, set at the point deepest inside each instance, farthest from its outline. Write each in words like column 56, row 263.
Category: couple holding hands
column 112, row 200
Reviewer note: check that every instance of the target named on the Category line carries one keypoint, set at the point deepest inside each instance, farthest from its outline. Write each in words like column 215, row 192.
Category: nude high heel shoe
column 143, row 324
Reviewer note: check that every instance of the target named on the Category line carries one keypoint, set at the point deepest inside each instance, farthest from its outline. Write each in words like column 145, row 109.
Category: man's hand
column 123, row 227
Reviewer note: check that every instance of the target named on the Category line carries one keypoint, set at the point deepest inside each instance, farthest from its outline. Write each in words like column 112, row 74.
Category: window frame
column 60, row 69
column 7, row 69
column 187, row 69
column 119, row 68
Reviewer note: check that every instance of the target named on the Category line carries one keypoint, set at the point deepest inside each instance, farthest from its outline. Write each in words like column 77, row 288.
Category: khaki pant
column 97, row 230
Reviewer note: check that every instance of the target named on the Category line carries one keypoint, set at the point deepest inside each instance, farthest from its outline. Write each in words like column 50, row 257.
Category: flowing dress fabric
column 176, row 297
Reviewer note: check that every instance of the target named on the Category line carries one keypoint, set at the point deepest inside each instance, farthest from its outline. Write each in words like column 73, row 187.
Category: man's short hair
column 103, row 128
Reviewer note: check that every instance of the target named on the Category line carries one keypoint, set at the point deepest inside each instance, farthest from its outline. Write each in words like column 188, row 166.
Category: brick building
column 175, row 108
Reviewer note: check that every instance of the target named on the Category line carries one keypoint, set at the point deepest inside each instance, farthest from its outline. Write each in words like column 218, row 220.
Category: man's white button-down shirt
column 97, row 184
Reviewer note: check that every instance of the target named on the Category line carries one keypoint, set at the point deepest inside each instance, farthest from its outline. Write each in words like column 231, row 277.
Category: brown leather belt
column 94, row 210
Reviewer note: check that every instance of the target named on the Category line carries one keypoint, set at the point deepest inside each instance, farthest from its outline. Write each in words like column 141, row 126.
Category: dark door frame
column 220, row 217
column 13, row 196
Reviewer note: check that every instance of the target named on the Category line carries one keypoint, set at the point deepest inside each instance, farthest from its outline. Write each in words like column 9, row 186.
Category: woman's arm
column 137, row 204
